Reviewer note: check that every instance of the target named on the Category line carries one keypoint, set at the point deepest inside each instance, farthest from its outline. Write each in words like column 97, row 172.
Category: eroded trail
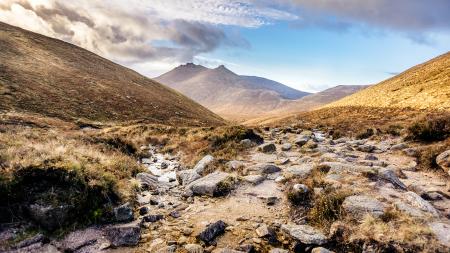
column 246, row 209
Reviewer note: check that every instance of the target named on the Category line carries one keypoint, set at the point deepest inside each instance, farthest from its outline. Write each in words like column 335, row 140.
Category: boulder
column 358, row 206
column 305, row 234
column 211, row 232
column 416, row 201
column 301, row 171
column 443, row 160
column 268, row 148
column 254, row 179
column 89, row 240
column 203, row 164
column 214, row 184
column 266, row 168
column 442, row 232
column 123, row 213
column 186, row 177
column 153, row 217
column 124, row 234
column 301, row 140
column 49, row 217
column 286, row 147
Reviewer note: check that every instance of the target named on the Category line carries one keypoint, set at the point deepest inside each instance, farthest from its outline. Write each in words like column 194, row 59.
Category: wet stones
column 305, row 234
column 213, row 185
column 267, row 148
column 123, row 213
column 211, row 232
column 124, row 234
column 359, row 206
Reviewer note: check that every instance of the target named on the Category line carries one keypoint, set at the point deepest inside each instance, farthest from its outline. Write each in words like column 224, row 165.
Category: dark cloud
column 404, row 15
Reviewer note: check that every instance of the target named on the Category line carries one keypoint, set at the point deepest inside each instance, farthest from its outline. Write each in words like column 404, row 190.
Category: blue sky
column 310, row 45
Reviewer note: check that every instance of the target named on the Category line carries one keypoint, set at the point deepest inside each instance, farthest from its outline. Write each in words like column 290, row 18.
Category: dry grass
column 430, row 128
column 54, row 78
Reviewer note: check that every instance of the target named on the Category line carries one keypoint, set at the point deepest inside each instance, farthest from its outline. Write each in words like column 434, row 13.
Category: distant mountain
column 226, row 93
column 425, row 86
column 50, row 77
column 318, row 99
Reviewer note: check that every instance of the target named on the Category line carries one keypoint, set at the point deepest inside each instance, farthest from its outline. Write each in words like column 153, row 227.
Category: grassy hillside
column 425, row 86
column 57, row 79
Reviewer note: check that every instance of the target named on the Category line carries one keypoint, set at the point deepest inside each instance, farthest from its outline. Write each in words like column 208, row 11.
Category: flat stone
column 390, row 176
column 358, row 206
column 263, row 169
column 124, row 234
column 305, row 234
column 301, row 171
column 416, row 201
column 186, row 177
column 442, row 232
column 254, row 179
column 268, row 148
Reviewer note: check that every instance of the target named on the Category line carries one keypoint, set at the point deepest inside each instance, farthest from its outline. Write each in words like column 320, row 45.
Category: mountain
column 230, row 95
column 425, row 86
column 318, row 99
column 50, row 77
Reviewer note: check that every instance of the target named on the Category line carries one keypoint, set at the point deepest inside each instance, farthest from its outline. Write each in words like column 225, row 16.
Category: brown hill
column 425, row 86
column 57, row 79
column 226, row 93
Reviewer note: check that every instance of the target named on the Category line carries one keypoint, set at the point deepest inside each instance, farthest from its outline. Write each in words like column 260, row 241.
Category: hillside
column 53, row 78
column 425, row 86
column 226, row 93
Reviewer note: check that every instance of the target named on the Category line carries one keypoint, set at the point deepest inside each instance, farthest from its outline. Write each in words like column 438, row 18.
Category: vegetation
column 327, row 207
column 430, row 128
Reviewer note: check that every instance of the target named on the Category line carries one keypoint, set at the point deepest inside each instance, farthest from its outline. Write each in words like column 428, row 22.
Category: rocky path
column 246, row 209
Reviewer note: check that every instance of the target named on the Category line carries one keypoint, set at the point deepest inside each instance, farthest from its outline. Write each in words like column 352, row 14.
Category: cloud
column 136, row 31
column 400, row 15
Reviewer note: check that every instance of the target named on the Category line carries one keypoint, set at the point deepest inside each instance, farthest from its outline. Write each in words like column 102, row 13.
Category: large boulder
column 265, row 169
column 185, row 177
column 123, row 213
column 358, row 206
column 443, row 160
column 147, row 180
column 418, row 202
column 214, row 184
column 203, row 164
column 50, row 217
column 124, row 234
column 305, row 234
column 212, row 231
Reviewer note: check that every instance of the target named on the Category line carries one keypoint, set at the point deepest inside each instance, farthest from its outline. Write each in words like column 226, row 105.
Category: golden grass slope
column 425, row 86
column 50, row 77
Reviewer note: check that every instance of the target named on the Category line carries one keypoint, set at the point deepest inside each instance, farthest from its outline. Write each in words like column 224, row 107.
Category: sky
column 310, row 45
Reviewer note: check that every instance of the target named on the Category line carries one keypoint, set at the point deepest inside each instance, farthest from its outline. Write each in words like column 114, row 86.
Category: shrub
column 430, row 128
column 327, row 207
column 426, row 156
column 394, row 130
column 366, row 134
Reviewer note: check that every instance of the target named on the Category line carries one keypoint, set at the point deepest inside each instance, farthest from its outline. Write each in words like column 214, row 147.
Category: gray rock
column 143, row 210
column 268, row 148
column 305, row 234
column 254, row 179
column 416, row 201
column 193, row 248
column 399, row 146
column 301, row 171
column 147, row 180
column 443, row 160
column 390, row 176
column 214, row 184
column 302, row 140
column 247, row 143
column 371, row 157
column 366, row 148
column 203, row 164
column 186, row 177
column 359, row 206
column 263, row 169
column 39, row 238
column 286, row 147
column 124, row 234
column 123, row 213
column 153, row 217
column 442, row 232
column 86, row 240
column 50, row 217
column 211, row 232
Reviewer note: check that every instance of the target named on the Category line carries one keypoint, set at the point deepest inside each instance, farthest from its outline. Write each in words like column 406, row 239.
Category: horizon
column 307, row 45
